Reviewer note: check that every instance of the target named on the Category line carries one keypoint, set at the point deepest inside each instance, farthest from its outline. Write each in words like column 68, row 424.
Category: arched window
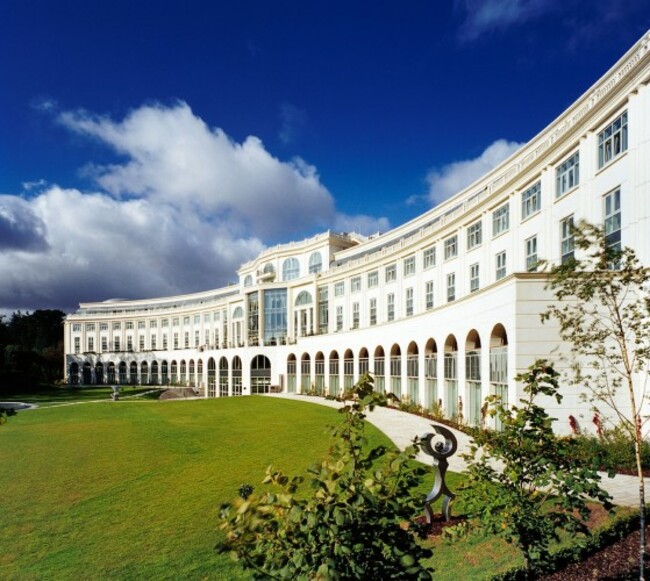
column 212, row 378
column 269, row 268
column 431, row 373
column 304, row 298
column 248, row 281
column 315, row 263
column 451, row 377
column 305, row 373
column 238, row 313
column 237, row 373
column 290, row 269
column 413, row 372
column 473, row 376
column 499, row 365
column 319, row 369
column 291, row 373
column 379, row 369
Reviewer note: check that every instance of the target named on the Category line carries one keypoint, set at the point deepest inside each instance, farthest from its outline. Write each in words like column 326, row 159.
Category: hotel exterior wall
column 514, row 301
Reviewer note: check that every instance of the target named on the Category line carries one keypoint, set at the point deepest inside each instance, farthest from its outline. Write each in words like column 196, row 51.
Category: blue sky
column 150, row 147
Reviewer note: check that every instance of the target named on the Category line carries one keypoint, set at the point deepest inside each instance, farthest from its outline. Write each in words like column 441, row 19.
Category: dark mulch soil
column 618, row 561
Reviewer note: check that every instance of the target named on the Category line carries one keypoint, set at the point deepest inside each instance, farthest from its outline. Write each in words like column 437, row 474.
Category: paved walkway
column 401, row 427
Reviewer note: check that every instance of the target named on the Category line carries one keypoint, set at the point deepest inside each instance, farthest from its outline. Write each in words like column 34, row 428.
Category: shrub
column 541, row 488
column 357, row 522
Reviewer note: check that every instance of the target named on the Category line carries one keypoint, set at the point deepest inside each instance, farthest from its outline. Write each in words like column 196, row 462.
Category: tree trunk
column 637, row 451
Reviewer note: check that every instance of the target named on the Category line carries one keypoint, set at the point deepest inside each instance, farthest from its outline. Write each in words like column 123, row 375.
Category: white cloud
column 452, row 178
column 182, row 211
column 484, row 16
column 99, row 247
column 175, row 158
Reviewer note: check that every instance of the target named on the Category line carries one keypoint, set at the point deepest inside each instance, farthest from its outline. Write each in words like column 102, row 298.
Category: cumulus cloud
column 21, row 229
column 174, row 157
column 484, row 16
column 96, row 247
column 452, row 178
column 181, row 211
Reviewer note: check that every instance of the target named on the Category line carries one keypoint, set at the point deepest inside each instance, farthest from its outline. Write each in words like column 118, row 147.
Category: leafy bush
column 357, row 522
column 613, row 450
column 540, row 489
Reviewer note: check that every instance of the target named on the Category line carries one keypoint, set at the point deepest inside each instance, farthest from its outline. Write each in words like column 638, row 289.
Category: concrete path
column 401, row 427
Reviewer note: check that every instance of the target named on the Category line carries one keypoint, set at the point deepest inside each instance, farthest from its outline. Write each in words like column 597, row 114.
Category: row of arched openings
column 431, row 375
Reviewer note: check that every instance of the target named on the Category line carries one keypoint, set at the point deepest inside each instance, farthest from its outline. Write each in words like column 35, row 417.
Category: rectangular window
column 104, row 344
column 141, row 342
column 117, row 326
column 153, row 324
column 409, row 266
column 428, row 294
column 339, row 318
column 103, row 326
column 613, row 219
column 129, row 325
column 612, row 141
column 142, row 324
column 164, row 341
column 474, row 235
column 500, row 265
column 373, row 279
column 355, row 284
column 451, row 247
column 91, row 344
column 451, row 287
column 339, row 289
column 409, row 302
column 501, row 220
column 390, row 307
column 566, row 238
column 373, row 311
column 429, row 257
column 391, row 273
column 153, row 341
column 77, row 345
column 474, row 278
column 175, row 322
column 206, row 337
column 567, row 175
column 197, row 338
column 186, row 320
column 206, row 317
column 197, row 319
column 531, row 254
column 355, row 315
column 90, row 326
column 186, row 339
column 76, row 327
column 129, row 343
column 531, row 200
column 164, row 323
column 323, row 309
column 116, row 344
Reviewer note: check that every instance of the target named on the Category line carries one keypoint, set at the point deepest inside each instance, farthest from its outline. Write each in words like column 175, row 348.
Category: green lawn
column 132, row 489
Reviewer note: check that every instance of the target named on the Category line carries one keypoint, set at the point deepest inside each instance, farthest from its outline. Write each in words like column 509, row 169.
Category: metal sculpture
column 441, row 445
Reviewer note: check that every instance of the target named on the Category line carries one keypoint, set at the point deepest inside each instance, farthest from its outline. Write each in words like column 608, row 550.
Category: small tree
column 604, row 314
column 524, row 484
column 355, row 523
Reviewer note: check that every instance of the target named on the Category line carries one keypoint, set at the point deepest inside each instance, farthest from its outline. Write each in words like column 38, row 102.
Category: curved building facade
column 443, row 310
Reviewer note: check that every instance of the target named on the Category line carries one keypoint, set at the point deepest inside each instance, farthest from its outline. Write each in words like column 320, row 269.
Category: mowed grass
column 132, row 489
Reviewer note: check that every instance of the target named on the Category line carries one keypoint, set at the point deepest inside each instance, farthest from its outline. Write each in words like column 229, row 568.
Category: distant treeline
column 31, row 349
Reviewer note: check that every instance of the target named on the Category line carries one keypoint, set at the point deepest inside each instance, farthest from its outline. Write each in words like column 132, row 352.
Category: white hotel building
column 445, row 308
